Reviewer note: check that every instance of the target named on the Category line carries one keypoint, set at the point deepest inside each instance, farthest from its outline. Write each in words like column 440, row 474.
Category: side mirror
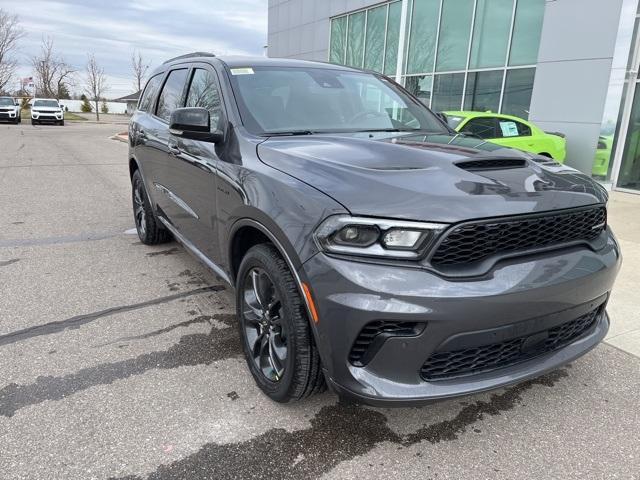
column 193, row 123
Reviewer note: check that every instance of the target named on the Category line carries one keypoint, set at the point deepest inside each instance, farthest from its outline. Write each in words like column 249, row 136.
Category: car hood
column 437, row 178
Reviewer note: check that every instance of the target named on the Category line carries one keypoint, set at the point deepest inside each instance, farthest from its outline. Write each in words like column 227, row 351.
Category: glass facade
column 459, row 54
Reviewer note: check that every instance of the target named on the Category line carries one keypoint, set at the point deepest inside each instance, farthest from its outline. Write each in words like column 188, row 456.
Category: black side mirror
column 193, row 123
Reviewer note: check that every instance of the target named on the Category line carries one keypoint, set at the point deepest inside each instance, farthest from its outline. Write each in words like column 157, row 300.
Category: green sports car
column 510, row 132
column 603, row 155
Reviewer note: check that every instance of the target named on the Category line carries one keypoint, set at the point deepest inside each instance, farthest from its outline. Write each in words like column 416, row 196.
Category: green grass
column 72, row 116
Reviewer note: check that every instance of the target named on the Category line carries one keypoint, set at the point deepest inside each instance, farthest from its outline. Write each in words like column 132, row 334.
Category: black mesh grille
column 473, row 242
column 443, row 365
column 364, row 346
column 492, row 164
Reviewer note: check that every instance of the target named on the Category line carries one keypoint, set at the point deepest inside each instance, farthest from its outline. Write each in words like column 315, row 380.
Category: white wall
column 114, row 107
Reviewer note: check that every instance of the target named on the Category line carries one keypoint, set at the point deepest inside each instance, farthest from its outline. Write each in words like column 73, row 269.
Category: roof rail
column 189, row 55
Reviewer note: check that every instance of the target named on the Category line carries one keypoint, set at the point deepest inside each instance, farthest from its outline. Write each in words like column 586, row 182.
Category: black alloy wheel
column 265, row 332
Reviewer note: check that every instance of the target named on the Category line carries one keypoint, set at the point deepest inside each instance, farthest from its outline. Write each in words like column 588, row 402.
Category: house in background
column 131, row 100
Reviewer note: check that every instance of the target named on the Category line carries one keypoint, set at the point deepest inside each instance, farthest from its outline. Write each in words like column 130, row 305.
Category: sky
column 112, row 29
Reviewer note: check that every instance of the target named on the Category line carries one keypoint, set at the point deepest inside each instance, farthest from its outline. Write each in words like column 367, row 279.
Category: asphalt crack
column 79, row 320
column 337, row 433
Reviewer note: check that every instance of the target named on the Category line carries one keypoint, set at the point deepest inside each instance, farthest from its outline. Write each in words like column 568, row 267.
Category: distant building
column 131, row 100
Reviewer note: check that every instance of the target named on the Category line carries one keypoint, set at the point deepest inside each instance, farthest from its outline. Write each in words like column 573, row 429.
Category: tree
column 96, row 82
column 139, row 68
column 86, row 106
column 53, row 75
column 10, row 34
column 105, row 107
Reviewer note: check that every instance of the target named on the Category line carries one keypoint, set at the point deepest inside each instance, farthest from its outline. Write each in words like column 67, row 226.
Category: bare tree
column 96, row 83
column 53, row 76
column 139, row 67
column 10, row 33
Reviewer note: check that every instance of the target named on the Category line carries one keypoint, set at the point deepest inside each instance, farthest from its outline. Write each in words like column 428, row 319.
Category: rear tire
column 286, row 366
column 149, row 230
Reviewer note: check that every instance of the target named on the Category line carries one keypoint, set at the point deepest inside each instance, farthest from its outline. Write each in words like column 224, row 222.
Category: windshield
column 6, row 101
column 454, row 121
column 276, row 100
column 46, row 103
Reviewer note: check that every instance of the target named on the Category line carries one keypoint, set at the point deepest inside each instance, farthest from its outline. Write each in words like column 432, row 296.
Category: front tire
column 61, row 123
column 33, row 122
column 147, row 226
column 277, row 339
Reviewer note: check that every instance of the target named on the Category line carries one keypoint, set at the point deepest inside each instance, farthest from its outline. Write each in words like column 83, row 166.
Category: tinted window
column 393, row 35
column 517, row 92
column 171, row 95
column 455, row 30
column 422, row 37
column 203, row 92
column 355, row 39
column 374, row 41
column 447, row 92
column 491, row 33
column 484, row 127
column 150, row 92
column 483, row 91
column 338, row 37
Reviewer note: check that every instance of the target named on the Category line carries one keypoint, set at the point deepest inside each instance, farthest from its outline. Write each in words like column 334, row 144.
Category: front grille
column 473, row 242
column 374, row 334
column 468, row 361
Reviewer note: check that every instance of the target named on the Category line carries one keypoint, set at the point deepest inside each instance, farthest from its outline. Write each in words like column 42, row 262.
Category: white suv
column 9, row 110
column 46, row 110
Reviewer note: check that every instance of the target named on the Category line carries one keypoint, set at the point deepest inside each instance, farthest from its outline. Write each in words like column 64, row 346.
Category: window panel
column 149, row 96
column 171, row 95
column 374, row 45
column 483, row 91
column 355, row 39
column 483, row 127
column 526, row 32
column 455, row 33
column 393, row 35
column 420, row 86
column 337, row 44
column 203, row 92
column 447, row 92
column 491, row 33
column 517, row 92
column 423, row 32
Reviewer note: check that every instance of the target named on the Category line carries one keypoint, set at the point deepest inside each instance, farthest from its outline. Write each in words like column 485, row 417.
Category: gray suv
column 371, row 247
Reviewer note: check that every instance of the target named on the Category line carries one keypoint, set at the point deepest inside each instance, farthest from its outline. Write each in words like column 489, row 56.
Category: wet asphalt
column 122, row 361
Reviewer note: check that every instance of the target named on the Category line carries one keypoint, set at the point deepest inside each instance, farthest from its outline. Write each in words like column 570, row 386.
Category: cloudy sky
column 112, row 29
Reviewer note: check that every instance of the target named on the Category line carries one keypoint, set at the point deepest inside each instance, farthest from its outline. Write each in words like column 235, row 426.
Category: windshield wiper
column 289, row 133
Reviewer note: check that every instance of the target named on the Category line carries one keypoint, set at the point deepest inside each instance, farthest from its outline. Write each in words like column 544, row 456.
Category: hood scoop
column 491, row 164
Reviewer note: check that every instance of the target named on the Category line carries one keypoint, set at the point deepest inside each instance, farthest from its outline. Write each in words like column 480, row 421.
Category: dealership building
column 569, row 66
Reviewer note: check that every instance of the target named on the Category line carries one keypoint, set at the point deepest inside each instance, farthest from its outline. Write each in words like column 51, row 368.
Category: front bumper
column 51, row 117
column 10, row 115
column 520, row 296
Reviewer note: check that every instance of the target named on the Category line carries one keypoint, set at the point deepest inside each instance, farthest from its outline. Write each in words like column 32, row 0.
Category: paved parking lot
column 119, row 360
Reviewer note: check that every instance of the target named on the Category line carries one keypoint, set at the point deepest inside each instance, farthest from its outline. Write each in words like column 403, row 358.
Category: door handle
column 173, row 149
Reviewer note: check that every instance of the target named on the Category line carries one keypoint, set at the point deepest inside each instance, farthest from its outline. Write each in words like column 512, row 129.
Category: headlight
column 373, row 237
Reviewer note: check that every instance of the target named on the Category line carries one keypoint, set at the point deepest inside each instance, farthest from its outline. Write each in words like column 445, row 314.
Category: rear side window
column 483, row 127
column 203, row 92
column 171, row 95
column 150, row 92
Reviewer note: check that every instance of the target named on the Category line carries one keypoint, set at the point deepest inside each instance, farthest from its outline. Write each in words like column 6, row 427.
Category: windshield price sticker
column 242, row 71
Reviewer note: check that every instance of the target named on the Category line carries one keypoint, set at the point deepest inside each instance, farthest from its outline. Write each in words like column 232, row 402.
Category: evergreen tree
column 104, row 108
column 86, row 106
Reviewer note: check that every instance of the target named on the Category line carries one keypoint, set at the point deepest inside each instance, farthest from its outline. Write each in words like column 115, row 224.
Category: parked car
column 370, row 245
column 46, row 110
column 9, row 110
column 603, row 156
column 509, row 131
